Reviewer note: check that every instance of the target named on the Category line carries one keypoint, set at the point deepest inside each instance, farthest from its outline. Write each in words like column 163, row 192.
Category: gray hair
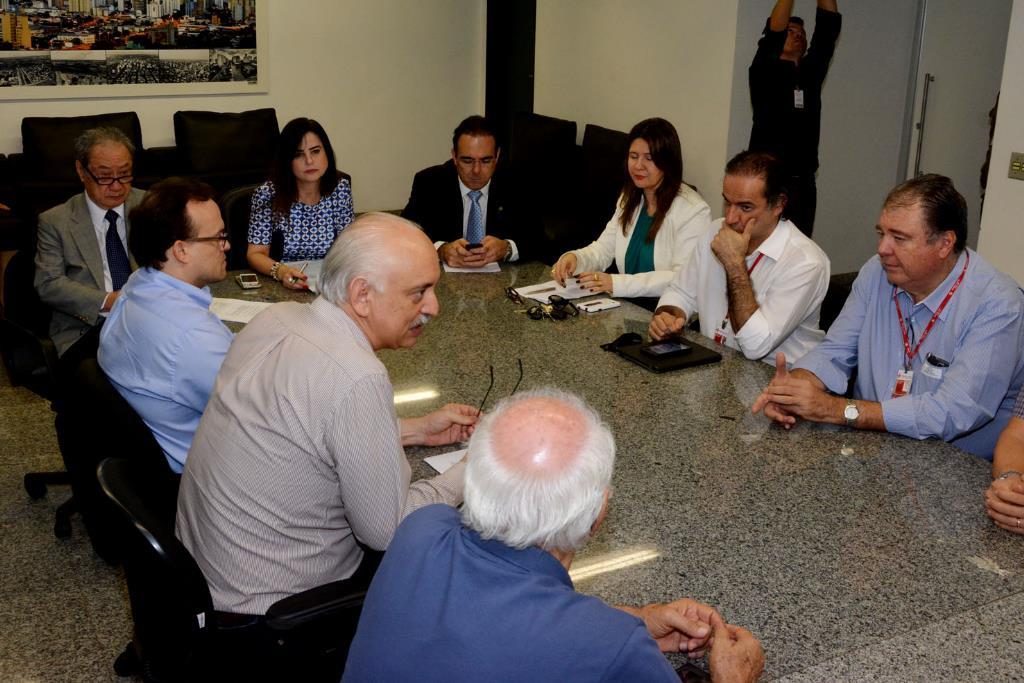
column 97, row 136
column 521, row 510
column 361, row 250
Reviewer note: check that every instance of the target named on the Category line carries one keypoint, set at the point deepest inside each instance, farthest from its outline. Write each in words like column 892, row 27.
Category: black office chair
column 839, row 287
column 179, row 636
column 31, row 361
column 96, row 422
column 234, row 208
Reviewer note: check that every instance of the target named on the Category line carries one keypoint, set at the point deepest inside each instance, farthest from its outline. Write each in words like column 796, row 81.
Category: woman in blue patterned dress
column 304, row 204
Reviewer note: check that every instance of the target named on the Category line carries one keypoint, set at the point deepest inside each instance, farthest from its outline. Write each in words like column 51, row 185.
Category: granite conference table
column 851, row 555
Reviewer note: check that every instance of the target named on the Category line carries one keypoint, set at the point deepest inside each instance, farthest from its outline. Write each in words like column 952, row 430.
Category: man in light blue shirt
column 161, row 346
column 934, row 331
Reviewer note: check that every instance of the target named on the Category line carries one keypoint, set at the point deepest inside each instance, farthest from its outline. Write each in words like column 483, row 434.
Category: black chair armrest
column 323, row 602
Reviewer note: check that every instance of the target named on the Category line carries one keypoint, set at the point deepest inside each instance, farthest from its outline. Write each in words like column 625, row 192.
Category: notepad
column 542, row 291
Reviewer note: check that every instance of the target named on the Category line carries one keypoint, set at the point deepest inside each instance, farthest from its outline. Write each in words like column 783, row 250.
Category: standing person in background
column 304, row 204
column 785, row 92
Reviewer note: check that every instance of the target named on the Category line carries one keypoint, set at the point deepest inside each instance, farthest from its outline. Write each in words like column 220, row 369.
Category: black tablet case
column 697, row 355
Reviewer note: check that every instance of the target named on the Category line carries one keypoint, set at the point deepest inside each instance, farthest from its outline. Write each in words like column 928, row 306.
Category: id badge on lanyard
column 798, row 98
column 904, row 381
column 723, row 333
column 905, row 375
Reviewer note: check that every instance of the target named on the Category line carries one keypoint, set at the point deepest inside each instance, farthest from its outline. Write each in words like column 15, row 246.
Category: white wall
column 1001, row 240
column 614, row 63
column 863, row 105
column 388, row 79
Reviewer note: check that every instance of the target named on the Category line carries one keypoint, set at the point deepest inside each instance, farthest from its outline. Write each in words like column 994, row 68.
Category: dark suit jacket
column 436, row 204
column 69, row 267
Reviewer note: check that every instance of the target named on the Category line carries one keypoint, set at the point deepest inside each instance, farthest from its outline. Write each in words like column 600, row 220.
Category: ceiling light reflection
column 612, row 563
column 415, row 395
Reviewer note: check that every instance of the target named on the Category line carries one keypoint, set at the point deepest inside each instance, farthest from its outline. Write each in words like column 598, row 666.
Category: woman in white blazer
column 656, row 223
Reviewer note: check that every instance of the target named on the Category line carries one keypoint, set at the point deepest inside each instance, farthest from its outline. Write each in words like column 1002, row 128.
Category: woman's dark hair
column 286, row 190
column 667, row 154
column 161, row 219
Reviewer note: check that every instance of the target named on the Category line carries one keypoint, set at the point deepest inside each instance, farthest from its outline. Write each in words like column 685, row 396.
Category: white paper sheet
column 443, row 462
column 491, row 267
column 542, row 291
column 236, row 310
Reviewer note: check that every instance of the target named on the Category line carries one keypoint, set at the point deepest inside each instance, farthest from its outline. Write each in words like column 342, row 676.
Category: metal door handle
column 928, row 78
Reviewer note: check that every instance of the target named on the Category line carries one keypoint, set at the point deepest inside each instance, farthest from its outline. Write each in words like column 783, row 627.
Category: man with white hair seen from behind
column 488, row 596
column 298, row 460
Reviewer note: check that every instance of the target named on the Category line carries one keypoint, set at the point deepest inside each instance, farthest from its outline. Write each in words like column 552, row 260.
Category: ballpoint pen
column 301, row 270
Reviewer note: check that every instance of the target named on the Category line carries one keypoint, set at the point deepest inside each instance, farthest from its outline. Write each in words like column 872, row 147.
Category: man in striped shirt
column 298, row 460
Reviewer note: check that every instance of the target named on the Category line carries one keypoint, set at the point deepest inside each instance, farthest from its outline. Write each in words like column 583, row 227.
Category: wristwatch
column 851, row 413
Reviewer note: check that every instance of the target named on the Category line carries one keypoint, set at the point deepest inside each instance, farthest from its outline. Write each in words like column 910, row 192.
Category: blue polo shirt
column 447, row 605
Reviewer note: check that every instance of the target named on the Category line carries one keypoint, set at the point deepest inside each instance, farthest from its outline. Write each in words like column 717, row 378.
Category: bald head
column 537, row 471
column 374, row 247
column 539, row 438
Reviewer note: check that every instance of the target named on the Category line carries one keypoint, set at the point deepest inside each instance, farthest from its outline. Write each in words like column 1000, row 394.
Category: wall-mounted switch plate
column 1017, row 165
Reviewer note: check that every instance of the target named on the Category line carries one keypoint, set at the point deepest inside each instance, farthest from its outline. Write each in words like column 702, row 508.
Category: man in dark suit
column 464, row 207
column 81, row 259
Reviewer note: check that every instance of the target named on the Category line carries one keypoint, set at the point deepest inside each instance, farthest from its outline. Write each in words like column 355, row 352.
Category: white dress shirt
column 466, row 203
column 789, row 283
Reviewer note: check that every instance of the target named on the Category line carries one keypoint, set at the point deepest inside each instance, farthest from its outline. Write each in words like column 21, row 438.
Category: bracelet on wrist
column 1007, row 474
column 273, row 270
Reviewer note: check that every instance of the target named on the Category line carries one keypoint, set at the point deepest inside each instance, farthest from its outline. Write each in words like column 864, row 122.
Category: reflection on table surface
column 824, row 541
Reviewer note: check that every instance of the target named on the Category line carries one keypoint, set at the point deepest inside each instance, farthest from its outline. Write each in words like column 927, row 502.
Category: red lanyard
column 750, row 270
column 928, row 328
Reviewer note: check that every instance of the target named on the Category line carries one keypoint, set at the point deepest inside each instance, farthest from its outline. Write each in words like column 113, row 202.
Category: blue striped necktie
column 117, row 258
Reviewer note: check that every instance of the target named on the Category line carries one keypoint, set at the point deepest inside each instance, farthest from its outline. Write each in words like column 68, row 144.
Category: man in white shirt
column 756, row 281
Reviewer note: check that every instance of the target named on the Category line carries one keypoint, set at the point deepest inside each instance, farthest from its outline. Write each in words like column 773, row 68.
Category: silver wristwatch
column 851, row 413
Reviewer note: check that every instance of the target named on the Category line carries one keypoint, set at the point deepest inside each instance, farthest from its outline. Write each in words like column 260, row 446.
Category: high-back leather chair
column 234, row 208
column 179, row 636
column 226, row 150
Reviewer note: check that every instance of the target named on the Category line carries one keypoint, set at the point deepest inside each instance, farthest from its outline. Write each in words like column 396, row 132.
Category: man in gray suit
column 81, row 259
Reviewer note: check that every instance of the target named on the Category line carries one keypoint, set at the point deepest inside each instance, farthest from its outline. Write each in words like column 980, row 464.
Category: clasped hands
column 694, row 628
column 457, row 255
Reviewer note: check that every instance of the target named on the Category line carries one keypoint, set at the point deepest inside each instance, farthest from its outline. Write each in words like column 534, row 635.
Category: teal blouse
column 640, row 252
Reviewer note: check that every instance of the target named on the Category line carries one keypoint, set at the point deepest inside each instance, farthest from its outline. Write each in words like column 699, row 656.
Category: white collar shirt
column 789, row 283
